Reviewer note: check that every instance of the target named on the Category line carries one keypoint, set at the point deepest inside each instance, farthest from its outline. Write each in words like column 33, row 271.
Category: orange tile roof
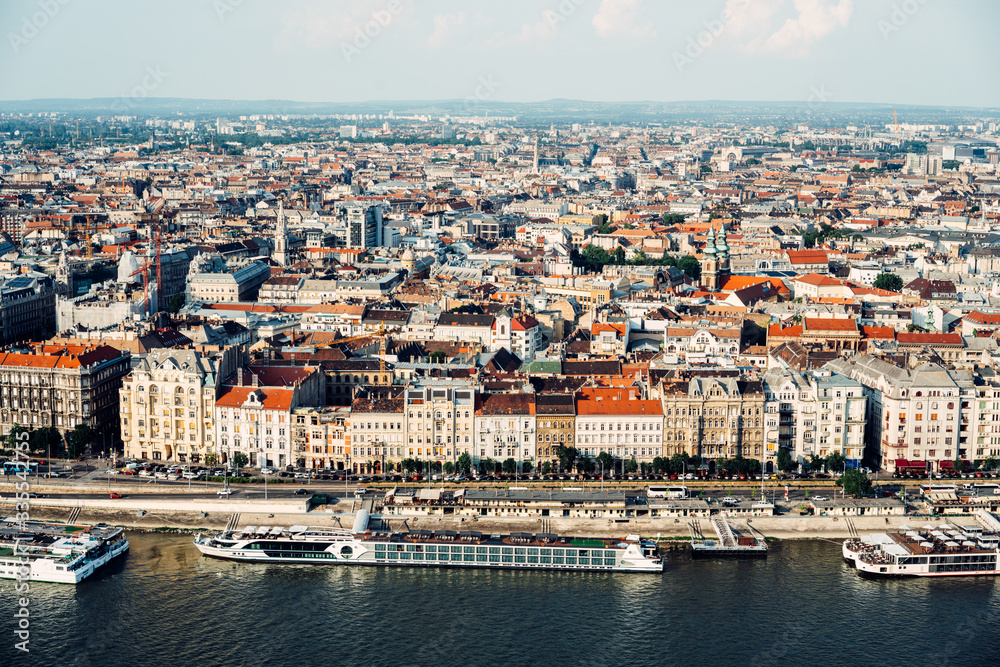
column 778, row 330
column 614, row 401
column 830, row 324
column 817, row 279
column 272, row 398
column 878, row 332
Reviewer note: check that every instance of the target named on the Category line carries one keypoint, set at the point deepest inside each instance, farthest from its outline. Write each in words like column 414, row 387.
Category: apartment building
column 505, row 427
column 555, row 425
column 320, row 436
column 377, row 432
column 439, row 422
column 619, row 422
column 715, row 417
column 63, row 386
column 914, row 415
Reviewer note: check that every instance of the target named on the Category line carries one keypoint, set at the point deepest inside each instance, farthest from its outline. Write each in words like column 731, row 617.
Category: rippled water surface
column 166, row 605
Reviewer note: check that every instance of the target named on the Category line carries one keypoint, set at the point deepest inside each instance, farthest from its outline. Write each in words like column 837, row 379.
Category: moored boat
column 945, row 550
column 57, row 552
column 443, row 548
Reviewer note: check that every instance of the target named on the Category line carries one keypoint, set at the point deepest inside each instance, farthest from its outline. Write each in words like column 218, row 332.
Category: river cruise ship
column 443, row 548
column 57, row 552
column 944, row 550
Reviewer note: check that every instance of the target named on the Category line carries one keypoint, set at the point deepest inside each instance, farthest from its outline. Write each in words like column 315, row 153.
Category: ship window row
column 494, row 558
column 297, row 547
column 530, row 552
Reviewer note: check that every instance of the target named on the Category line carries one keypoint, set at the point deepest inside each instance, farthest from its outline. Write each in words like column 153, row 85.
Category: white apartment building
column 505, row 426
column 914, row 416
column 167, row 404
column 439, row 422
column 255, row 421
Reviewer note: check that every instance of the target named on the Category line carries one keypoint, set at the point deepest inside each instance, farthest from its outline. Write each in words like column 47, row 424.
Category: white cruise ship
column 945, row 550
column 360, row 546
column 57, row 552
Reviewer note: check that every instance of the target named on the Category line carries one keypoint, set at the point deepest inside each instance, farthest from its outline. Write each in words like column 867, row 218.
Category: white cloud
column 445, row 26
column 318, row 24
column 621, row 18
column 812, row 20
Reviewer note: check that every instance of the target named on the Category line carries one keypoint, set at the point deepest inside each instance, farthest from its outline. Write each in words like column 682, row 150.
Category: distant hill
column 544, row 111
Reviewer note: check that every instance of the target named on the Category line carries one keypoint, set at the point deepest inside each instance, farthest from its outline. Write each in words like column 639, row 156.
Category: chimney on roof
column 255, row 380
column 239, row 376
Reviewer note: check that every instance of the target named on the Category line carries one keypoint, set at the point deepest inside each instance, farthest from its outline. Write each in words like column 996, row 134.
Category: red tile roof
column 829, row 324
column 271, row 398
column 929, row 339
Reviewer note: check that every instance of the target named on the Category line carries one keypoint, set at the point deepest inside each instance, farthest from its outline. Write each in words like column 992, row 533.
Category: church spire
column 710, row 242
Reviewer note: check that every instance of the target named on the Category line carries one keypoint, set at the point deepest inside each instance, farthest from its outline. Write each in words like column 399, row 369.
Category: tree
column 211, row 459
column 437, row 357
column 45, row 439
column 509, row 466
column 784, row 461
column 79, row 439
column 990, row 463
column 464, row 464
column 487, row 466
column 631, row 466
column 567, row 457
column 546, row 467
column 239, row 460
column 449, row 468
column 690, row 266
column 659, row 465
column 605, row 461
column 816, row 462
column 526, row 467
column 585, row 465
column 889, row 281
column 671, row 219
column 15, row 436
column 750, row 162
column 705, row 169
column 855, row 483
column 835, row 462
column 175, row 303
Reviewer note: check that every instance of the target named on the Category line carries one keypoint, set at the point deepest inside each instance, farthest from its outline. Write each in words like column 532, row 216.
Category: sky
column 934, row 52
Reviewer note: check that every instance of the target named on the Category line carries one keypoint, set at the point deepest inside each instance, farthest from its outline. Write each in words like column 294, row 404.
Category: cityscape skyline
column 371, row 50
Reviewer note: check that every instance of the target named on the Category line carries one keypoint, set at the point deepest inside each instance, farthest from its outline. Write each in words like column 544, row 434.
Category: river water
column 164, row 604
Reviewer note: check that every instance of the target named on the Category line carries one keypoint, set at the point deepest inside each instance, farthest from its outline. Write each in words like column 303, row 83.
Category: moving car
column 225, row 492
